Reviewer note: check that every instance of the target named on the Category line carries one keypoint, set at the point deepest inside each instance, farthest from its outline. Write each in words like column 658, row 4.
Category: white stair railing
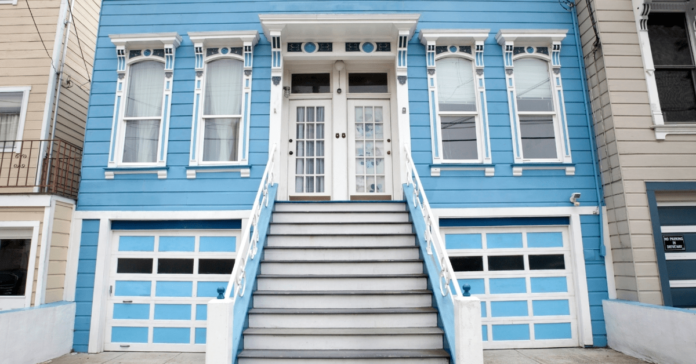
column 249, row 245
column 433, row 238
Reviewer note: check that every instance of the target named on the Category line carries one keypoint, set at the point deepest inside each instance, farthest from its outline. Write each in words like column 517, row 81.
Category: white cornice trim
column 278, row 22
column 453, row 36
column 31, row 200
column 145, row 40
column 224, row 38
column 533, row 36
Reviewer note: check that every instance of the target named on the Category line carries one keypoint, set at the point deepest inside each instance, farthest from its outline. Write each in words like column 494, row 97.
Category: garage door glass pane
column 132, row 265
column 215, row 266
column 467, row 264
column 544, row 262
column 14, row 259
column 175, row 266
column 506, row 262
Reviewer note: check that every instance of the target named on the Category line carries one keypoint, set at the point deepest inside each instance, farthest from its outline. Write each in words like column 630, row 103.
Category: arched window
column 143, row 114
column 535, row 105
column 457, row 112
column 222, row 110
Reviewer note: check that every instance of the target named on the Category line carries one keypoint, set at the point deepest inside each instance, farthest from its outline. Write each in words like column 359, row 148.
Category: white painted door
column 160, row 284
column 369, row 149
column 309, row 152
column 525, row 280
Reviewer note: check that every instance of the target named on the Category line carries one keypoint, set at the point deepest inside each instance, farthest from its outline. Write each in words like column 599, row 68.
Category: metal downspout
column 590, row 131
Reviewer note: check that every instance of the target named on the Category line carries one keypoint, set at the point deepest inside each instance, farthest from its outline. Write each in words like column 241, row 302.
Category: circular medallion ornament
column 147, row 53
column 453, row 49
column 530, row 50
column 368, row 47
column 224, row 50
column 310, row 47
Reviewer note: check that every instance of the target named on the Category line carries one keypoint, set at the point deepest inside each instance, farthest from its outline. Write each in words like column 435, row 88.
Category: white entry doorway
column 309, row 155
column 369, row 149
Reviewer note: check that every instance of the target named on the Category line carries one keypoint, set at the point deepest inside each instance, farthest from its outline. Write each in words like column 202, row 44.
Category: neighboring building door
column 525, row 280
column 309, row 156
column 677, row 254
column 159, row 287
column 369, row 149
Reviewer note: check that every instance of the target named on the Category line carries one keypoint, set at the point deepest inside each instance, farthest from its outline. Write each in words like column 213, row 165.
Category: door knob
column 337, row 135
column 343, row 135
column 290, row 140
column 291, row 152
column 388, row 152
column 388, row 140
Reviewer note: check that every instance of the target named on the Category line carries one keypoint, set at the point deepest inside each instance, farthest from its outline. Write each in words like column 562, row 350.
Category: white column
column 467, row 330
column 218, row 348
column 402, row 106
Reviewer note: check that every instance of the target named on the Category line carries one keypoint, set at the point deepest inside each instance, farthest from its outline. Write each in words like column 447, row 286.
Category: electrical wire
column 79, row 44
column 40, row 37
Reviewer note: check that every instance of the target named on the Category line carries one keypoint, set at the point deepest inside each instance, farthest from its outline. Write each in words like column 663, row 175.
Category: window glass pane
column 14, row 260
column 132, row 265
column 533, row 85
column 467, row 264
column 312, row 83
column 175, row 266
column 676, row 91
column 669, row 41
column 10, row 107
column 220, row 142
column 459, row 137
column 142, row 138
column 505, row 262
column 455, row 85
column 538, row 138
column 543, row 262
column 223, row 87
column 215, row 266
column 367, row 83
column 145, row 89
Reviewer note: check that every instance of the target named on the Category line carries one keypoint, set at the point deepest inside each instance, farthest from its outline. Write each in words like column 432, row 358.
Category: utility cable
column 79, row 43
column 40, row 37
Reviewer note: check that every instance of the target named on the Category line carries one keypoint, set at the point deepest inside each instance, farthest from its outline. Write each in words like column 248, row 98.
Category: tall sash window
column 143, row 114
column 222, row 110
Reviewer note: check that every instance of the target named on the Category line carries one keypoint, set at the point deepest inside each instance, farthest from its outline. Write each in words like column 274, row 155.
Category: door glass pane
column 310, row 142
column 533, row 85
column 538, row 138
column 14, row 261
column 369, row 142
column 313, row 83
column 676, row 91
column 669, row 40
column 459, row 137
column 367, row 83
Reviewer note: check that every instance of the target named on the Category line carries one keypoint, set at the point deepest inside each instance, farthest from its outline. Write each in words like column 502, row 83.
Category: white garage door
column 160, row 285
column 524, row 279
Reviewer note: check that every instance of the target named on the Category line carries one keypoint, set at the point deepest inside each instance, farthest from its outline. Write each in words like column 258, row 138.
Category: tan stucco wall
column 629, row 153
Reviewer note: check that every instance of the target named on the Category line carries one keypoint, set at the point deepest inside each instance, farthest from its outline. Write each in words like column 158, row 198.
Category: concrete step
column 342, row 240
column 311, row 228
column 339, row 206
column 335, row 267
column 343, row 339
column 342, row 299
column 342, row 318
column 344, row 356
column 340, row 217
column 403, row 282
column 340, row 253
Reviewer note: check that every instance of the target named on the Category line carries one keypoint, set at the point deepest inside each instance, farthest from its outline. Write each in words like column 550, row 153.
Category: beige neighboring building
column 642, row 79
column 46, row 57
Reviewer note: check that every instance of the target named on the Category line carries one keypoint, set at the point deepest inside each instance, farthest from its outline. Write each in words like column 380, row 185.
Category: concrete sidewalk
column 527, row 356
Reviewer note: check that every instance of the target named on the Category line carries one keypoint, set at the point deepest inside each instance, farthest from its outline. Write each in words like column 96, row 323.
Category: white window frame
column 642, row 10
column 475, row 38
column 202, row 41
column 22, row 115
column 21, row 230
column 509, row 39
column 8, row 2
column 124, row 44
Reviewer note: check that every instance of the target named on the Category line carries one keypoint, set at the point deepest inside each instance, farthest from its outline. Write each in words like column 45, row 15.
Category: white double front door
column 324, row 149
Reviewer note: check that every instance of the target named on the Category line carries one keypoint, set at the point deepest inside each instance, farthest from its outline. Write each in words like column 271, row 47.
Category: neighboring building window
column 14, row 263
column 456, row 94
column 13, row 109
column 143, row 115
column 222, row 111
column 674, row 66
column 535, row 105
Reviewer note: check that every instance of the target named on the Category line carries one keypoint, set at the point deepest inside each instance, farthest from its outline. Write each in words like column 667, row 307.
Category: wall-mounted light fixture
column 574, row 198
column 339, row 67
column 286, row 91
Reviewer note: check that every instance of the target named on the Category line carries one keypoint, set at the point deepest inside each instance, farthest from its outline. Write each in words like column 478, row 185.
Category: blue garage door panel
column 551, row 308
column 545, row 240
column 510, row 332
column 200, row 336
column 209, row 289
column 173, row 289
column 508, row 285
column 463, row 241
column 172, row 312
column 177, row 243
column 171, row 335
column 201, row 312
column 129, row 334
column 549, row 284
column 508, row 308
column 553, row 331
column 131, row 311
column 501, row 241
column 218, row 244
column 136, row 243
column 133, row 288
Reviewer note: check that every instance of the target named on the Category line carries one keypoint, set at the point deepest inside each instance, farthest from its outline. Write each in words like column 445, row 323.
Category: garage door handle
column 127, row 301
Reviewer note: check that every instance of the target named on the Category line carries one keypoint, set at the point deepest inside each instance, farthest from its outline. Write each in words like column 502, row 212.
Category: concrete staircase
column 342, row 283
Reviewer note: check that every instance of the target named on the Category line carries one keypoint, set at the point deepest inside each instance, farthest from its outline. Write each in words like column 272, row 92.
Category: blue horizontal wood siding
column 228, row 191
column 596, row 277
column 84, row 289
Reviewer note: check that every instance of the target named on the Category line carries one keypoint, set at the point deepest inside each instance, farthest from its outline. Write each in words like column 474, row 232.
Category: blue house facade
column 191, row 99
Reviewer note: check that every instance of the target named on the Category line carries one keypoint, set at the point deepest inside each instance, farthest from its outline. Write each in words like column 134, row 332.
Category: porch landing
column 526, row 356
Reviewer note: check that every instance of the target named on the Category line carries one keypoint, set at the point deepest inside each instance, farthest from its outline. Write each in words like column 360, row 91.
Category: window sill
column 661, row 131
column 436, row 169
column 161, row 172
column 244, row 171
column 517, row 169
